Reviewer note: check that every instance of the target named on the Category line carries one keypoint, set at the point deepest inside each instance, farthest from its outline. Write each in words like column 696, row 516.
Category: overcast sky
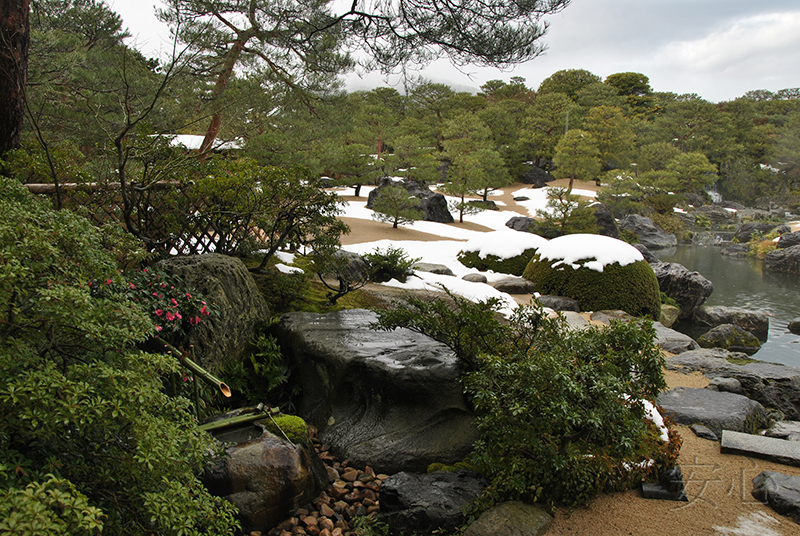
column 719, row 49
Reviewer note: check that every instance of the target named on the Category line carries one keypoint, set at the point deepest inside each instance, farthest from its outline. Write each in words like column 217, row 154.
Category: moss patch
column 293, row 426
column 632, row 288
column 513, row 265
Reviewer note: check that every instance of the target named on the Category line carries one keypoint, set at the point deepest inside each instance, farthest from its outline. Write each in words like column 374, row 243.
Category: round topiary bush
column 504, row 251
column 599, row 271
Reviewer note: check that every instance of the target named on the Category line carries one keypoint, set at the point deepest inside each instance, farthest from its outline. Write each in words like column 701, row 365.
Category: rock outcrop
column 239, row 309
column 752, row 321
column 788, row 240
column 512, row 518
column 421, row 503
column 433, row 205
column 730, row 337
column 714, row 409
column 391, row 400
column 780, row 491
column 746, row 231
column 648, row 234
column 786, row 260
column 689, row 289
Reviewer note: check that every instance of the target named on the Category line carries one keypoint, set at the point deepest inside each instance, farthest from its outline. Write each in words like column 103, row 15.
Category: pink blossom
column 131, row 285
column 108, row 281
column 158, row 328
column 174, row 302
column 204, row 310
column 159, row 312
column 170, row 316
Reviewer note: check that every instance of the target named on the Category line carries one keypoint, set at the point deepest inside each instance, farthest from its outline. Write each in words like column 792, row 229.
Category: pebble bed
column 353, row 493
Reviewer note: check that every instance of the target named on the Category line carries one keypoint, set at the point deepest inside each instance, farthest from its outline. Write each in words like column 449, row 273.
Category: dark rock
column 512, row 518
column 781, row 230
column 475, row 278
column 433, row 205
column 729, row 385
column 788, row 430
column 606, row 224
column 730, row 337
column 752, row 321
column 485, row 205
column 689, row 289
column 522, row 198
column 746, row 231
column 648, row 255
column 673, row 341
column 606, row 317
column 758, row 446
column 514, row 285
column 774, row 386
column 649, row 235
column 239, row 309
column 794, row 326
column 788, row 240
column 536, row 177
column 391, row 400
column 421, row 503
column 735, row 250
column 352, row 266
column 697, row 200
column 520, row 223
column 716, row 214
column 786, row 260
column 716, row 410
column 704, row 432
column 559, row 303
column 670, row 486
column 267, row 478
column 440, row 269
column 780, row 491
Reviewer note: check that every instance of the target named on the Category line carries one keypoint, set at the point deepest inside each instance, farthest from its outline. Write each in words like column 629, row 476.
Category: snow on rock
column 570, row 249
column 282, row 268
column 504, row 244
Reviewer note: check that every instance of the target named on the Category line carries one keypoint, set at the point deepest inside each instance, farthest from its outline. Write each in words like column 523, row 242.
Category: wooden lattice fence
column 169, row 214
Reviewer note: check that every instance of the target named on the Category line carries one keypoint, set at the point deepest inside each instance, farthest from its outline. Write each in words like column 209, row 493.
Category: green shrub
column 393, row 263
column 258, row 378
column 512, row 265
column 632, row 288
column 283, row 292
column 558, row 409
column 79, row 400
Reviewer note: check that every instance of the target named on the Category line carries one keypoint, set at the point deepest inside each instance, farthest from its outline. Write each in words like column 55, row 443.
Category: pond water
column 741, row 283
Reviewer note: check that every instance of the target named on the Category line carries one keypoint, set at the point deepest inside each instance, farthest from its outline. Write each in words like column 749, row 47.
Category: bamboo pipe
column 197, row 369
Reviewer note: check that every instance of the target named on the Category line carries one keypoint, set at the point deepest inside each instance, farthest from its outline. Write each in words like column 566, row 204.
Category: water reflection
column 742, row 283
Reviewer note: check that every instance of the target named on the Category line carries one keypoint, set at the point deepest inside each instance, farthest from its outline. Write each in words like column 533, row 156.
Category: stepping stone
column 714, row 409
column 758, row 446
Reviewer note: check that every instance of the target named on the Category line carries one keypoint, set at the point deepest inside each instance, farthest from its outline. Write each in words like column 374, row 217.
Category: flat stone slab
column 758, row 446
column 673, row 341
column 714, row 409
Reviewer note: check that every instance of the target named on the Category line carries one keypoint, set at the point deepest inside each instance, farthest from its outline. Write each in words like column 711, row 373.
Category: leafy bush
column 632, row 288
column 512, row 265
column 559, row 410
column 258, row 378
column 282, row 291
column 393, row 263
column 78, row 400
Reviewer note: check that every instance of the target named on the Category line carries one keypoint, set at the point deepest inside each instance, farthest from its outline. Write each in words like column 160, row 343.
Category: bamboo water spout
column 199, row 371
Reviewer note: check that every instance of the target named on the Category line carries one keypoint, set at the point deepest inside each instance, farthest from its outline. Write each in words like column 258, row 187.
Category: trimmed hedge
column 632, row 288
column 513, row 265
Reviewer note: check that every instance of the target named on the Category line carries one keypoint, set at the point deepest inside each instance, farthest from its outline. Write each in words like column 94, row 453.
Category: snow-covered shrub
column 505, row 251
column 599, row 271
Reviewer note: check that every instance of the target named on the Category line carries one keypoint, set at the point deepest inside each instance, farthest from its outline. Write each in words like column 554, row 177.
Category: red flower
column 159, row 312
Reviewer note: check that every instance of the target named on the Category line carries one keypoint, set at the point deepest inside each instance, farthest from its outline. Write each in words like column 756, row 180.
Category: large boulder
column 716, row 214
column 433, row 205
column 646, row 231
column 730, row 337
column 512, row 518
column 421, row 503
column 746, row 231
column 267, row 478
column 780, row 491
column 786, row 260
column 606, row 224
column 520, row 223
column 598, row 271
column 391, row 400
column 239, row 309
column 774, row 386
column 536, row 177
column 689, row 289
column 788, row 240
column 716, row 410
column 752, row 321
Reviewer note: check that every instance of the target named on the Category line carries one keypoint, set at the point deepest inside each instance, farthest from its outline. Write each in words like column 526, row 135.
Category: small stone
column 361, row 511
column 475, row 278
column 333, row 474
column 341, row 524
column 358, row 484
column 368, row 502
column 285, row 533
column 326, row 511
column 373, row 509
column 308, row 521
column 704, row 432
column 354, row 497
column 371, row 495
column 325, row 523
column 255, row 533
column 298, row 530
column 350, row 475
column 312, row 530
column 301, row 513
column 729, row 385
column 340, row 506
column 325, row 532
column 374, row 486
column 288, row 524
column 381, row 477
column 337, row 532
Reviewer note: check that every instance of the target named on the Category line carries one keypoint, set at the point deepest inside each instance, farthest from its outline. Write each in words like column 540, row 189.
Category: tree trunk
column 216, row 96
column 14, row 46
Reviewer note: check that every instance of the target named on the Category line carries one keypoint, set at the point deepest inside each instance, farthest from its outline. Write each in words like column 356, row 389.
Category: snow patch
column 569, row 249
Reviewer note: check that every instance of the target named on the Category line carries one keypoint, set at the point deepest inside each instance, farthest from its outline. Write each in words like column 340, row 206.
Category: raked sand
column 718, row 485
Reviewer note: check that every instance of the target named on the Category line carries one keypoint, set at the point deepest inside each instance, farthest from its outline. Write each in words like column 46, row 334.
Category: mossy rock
column 730, row 337
column 632, row 288
column 512, row 265
column 293, row 426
